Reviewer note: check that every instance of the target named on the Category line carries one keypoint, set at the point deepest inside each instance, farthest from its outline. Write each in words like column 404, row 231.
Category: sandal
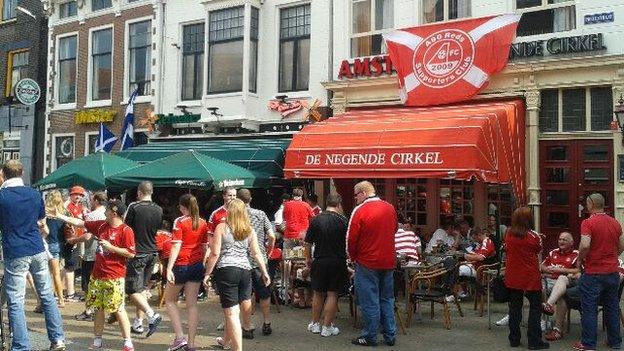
column 222, row 343
column 548, row 309
column 554, row 335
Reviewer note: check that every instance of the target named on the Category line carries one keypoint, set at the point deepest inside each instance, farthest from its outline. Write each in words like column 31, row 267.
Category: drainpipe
column 330, row 58
column 160, row 8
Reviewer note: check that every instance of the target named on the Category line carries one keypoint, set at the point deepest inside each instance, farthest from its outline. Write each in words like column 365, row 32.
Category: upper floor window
column 370, row 19
column 140, row 57
column 294, row 66
column 8, row 9
column 545, row 16
column 100, row 4
column 253, row 52
column 567, row 110
column 225, row 50
column 443, row 10
column 101, row 69
column 68, row 9
column 67, row 70
column 17, row 69
column 192, row 61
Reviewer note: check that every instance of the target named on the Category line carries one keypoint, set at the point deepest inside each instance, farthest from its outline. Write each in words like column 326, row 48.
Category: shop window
column 101, row 70
column 500, row 202
column 8, row 9
column 294, row 67
column 63, row 150
column 68, row 9
column 545, row 16
column 566, row 110
column 100, row 4
column 411, row 200
column 370, row 19
column 140, row 48
column 67, row 70
column 443, row 10
column 225, row 55
column 456, row 200
column 17, row 69
column 193, row 61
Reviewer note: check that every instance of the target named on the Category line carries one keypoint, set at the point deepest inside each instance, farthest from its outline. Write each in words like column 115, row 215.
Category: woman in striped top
column 230, row 250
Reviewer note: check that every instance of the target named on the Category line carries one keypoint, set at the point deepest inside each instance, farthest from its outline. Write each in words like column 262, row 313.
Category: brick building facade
column 23, row 54
column 73, row 127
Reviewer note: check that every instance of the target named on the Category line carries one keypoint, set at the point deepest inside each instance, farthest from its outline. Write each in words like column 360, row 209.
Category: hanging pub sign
column 173, row 119
column 366, row 67
column 450, row 62
column 558, row 46
column 98, row 115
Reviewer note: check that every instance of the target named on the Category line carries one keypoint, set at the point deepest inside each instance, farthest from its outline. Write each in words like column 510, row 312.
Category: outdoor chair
column 573, row 302
column 481, row 286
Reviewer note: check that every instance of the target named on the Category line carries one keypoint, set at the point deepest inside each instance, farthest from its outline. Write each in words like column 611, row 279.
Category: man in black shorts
column 327, row 232
column 145, row 218
column 266, row 241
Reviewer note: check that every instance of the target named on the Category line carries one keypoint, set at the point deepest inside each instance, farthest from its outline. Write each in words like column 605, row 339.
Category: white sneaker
column 450, row 298
column 503, row 322
column 330, row 331
column 314, row 328
column 463, row 295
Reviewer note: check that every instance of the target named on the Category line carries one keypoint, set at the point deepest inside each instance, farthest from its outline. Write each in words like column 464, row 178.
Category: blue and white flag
column 127, row 131
column 106, row 140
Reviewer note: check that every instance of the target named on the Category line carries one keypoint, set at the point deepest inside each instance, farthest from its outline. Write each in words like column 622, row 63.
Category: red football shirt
column 77, row 211
column 193, row 240
column 604, row 232
column 110, row 265
column 561, row 259
column 297, row 215
column 486, row 249
column 163, row 244
column 316, row 210
column 218, row 216
column 522, row 271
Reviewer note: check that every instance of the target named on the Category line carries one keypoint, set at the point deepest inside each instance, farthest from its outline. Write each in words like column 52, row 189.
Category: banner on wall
column 452, row 61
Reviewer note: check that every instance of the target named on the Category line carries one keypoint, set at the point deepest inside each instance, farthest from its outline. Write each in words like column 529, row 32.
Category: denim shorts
column 190, row 273
column 55, row 251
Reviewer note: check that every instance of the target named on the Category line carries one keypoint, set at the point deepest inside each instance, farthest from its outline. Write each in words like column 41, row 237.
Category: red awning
column 481, row 140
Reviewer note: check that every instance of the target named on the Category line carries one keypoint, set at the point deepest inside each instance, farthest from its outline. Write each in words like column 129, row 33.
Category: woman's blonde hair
column 238, row 220
column 54, row 202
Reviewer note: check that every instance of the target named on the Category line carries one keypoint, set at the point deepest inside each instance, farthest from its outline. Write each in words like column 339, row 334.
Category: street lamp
column 618, row 111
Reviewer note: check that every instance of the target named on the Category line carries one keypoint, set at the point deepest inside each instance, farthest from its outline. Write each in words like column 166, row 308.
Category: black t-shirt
column 328, row 232
column 145, row 218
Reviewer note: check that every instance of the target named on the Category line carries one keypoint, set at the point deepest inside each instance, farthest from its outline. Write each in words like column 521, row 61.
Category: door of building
column 569, row 171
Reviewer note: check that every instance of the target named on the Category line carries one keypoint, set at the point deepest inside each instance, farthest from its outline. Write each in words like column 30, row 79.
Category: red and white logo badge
column 450, row 62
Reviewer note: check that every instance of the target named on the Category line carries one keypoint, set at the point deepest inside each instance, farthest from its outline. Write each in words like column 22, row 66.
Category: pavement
column 289, row 331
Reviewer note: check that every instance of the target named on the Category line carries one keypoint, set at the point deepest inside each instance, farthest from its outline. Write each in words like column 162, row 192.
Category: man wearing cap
column 22, row 216
column 71, row 251
column 106, row 293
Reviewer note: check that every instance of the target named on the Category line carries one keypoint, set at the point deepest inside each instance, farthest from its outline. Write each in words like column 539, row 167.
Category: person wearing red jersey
column 313, row 202
column 185, row 269
column 406, row 242
column 370, row 244
column 523, row 278
column 484, row 253
column 163, row 242
column 297, row 215
column 106, row 289
column 220, row 214
column 558, row 270
column 71, row 251
column 601, row 244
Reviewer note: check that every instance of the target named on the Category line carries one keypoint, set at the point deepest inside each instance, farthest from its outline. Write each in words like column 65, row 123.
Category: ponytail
column 190, row 202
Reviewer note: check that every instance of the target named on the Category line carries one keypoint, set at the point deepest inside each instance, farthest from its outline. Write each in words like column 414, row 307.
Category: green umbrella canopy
column 89, row 172
column 188, row 169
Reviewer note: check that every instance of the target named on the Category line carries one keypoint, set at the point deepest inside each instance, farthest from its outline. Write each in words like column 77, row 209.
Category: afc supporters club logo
column 443, row 58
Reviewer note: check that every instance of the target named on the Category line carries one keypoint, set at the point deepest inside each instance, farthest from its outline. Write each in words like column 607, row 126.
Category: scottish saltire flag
column 127, row 131
column 106, row 140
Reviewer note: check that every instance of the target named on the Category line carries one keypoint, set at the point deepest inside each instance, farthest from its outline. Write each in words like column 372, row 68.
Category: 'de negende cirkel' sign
column 27, row 91
column 558, row 46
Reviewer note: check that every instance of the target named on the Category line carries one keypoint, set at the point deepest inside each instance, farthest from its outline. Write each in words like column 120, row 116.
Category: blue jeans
column 15, row 271
column 375, row 296
column 595, row 289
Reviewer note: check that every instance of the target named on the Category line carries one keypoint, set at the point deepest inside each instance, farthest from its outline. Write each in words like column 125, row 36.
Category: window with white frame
column 90, row 141
column 370, row 19
column 576, row 109
column 68, row 9
column 444, row 10
column 63, row 149
column 192, row 61
column 226, row 31
column 140, row 56
column 101, row 69
column 100, row 4
column 67, row 69
column 294, row 65
column 545, row 16
column 253, row 53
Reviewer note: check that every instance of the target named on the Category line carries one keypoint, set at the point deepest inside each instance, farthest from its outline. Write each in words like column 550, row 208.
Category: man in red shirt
column 71, row 251
column 220, row 214
column 370, row 244
column 297, row 215
column 313, row 202
column 484, row 253
column 601, row 244
column 107, row 289
column 557, row 270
